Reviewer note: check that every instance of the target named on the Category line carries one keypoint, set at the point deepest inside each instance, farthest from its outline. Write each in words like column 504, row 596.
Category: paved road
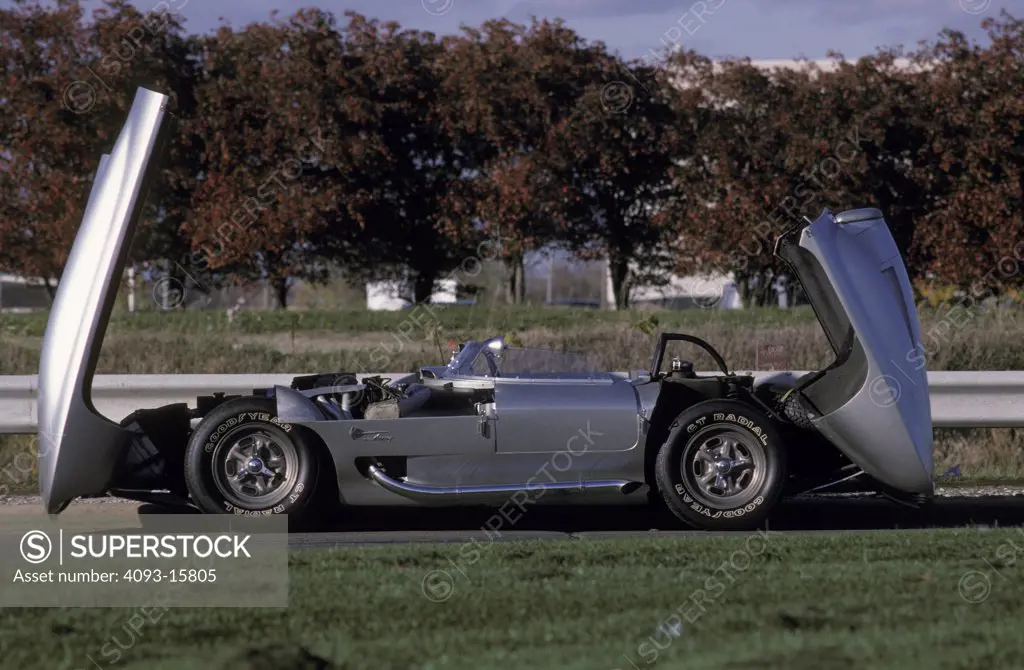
column 958, row 507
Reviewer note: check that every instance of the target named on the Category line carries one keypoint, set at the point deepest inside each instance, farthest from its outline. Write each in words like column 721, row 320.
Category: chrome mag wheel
column 255, row 467
column 724, row 467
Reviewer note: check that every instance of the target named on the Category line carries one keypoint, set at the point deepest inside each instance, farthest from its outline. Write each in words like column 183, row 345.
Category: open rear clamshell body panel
column 78, row 448
column 870, row 403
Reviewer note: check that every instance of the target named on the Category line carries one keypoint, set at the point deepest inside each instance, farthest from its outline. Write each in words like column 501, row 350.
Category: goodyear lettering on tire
column 722, row 417
column 716, row 514
column 238, row 511
column 277, row 509
column 745, row 422
column 243, row 417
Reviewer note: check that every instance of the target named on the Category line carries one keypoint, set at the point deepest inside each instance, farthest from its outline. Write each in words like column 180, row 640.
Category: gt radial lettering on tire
column 242, row 459
column 722, row 467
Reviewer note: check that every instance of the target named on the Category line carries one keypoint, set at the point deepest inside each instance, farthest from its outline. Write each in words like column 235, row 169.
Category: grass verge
column 936, row 599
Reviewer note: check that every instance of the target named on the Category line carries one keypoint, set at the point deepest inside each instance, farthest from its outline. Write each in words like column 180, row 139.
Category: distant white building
column 711, row 291
column 394, row 295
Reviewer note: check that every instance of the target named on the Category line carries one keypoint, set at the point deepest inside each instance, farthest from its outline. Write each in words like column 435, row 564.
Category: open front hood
column 78, row 447
column 873, row 402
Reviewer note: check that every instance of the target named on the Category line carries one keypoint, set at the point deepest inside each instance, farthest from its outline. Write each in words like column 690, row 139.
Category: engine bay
column 341, row 396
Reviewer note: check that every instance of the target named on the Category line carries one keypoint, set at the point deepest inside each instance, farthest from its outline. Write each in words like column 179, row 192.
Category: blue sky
column 759, row 29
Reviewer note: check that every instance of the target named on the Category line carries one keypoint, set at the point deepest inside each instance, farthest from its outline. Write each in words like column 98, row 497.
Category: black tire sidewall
column 199, row 458
column 675, row 489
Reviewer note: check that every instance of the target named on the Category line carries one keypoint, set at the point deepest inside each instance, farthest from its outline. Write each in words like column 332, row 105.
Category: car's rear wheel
column 242, row 459
column 722, row 466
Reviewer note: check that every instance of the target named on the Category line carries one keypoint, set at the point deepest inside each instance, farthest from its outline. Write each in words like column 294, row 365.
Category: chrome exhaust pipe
column 444, row 494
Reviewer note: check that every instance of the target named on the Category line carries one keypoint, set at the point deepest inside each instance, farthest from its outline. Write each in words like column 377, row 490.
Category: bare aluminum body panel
column 533, row 416
column 77, row 446
column 876, row 407
column 463, row 451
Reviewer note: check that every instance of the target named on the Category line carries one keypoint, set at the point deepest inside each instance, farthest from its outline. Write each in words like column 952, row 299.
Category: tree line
column 308, row 143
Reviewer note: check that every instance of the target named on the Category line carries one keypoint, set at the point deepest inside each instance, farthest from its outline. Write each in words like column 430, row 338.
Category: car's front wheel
column 242, row 459
column 722, row 466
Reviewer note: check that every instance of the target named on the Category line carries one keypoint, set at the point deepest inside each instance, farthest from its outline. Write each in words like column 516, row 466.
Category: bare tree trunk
column 281, row 292
column 51, row 289
column 768, row 289
column 423, row 286
column 521, row 284
column 619, row 269
column 743, row 287
column 515, row 280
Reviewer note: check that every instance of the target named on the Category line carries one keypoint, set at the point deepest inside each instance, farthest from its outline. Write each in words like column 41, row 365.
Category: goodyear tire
column 722, row 466
column 242, row 459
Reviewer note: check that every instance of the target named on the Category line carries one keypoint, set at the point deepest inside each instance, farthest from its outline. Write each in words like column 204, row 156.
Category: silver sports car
column 501, row 425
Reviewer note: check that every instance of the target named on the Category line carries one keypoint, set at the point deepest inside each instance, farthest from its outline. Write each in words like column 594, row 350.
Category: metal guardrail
column 959, row 399
column 977, row 399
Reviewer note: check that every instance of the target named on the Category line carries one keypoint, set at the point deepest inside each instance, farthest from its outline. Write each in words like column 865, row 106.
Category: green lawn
column 866, row 600
column 471, row 318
